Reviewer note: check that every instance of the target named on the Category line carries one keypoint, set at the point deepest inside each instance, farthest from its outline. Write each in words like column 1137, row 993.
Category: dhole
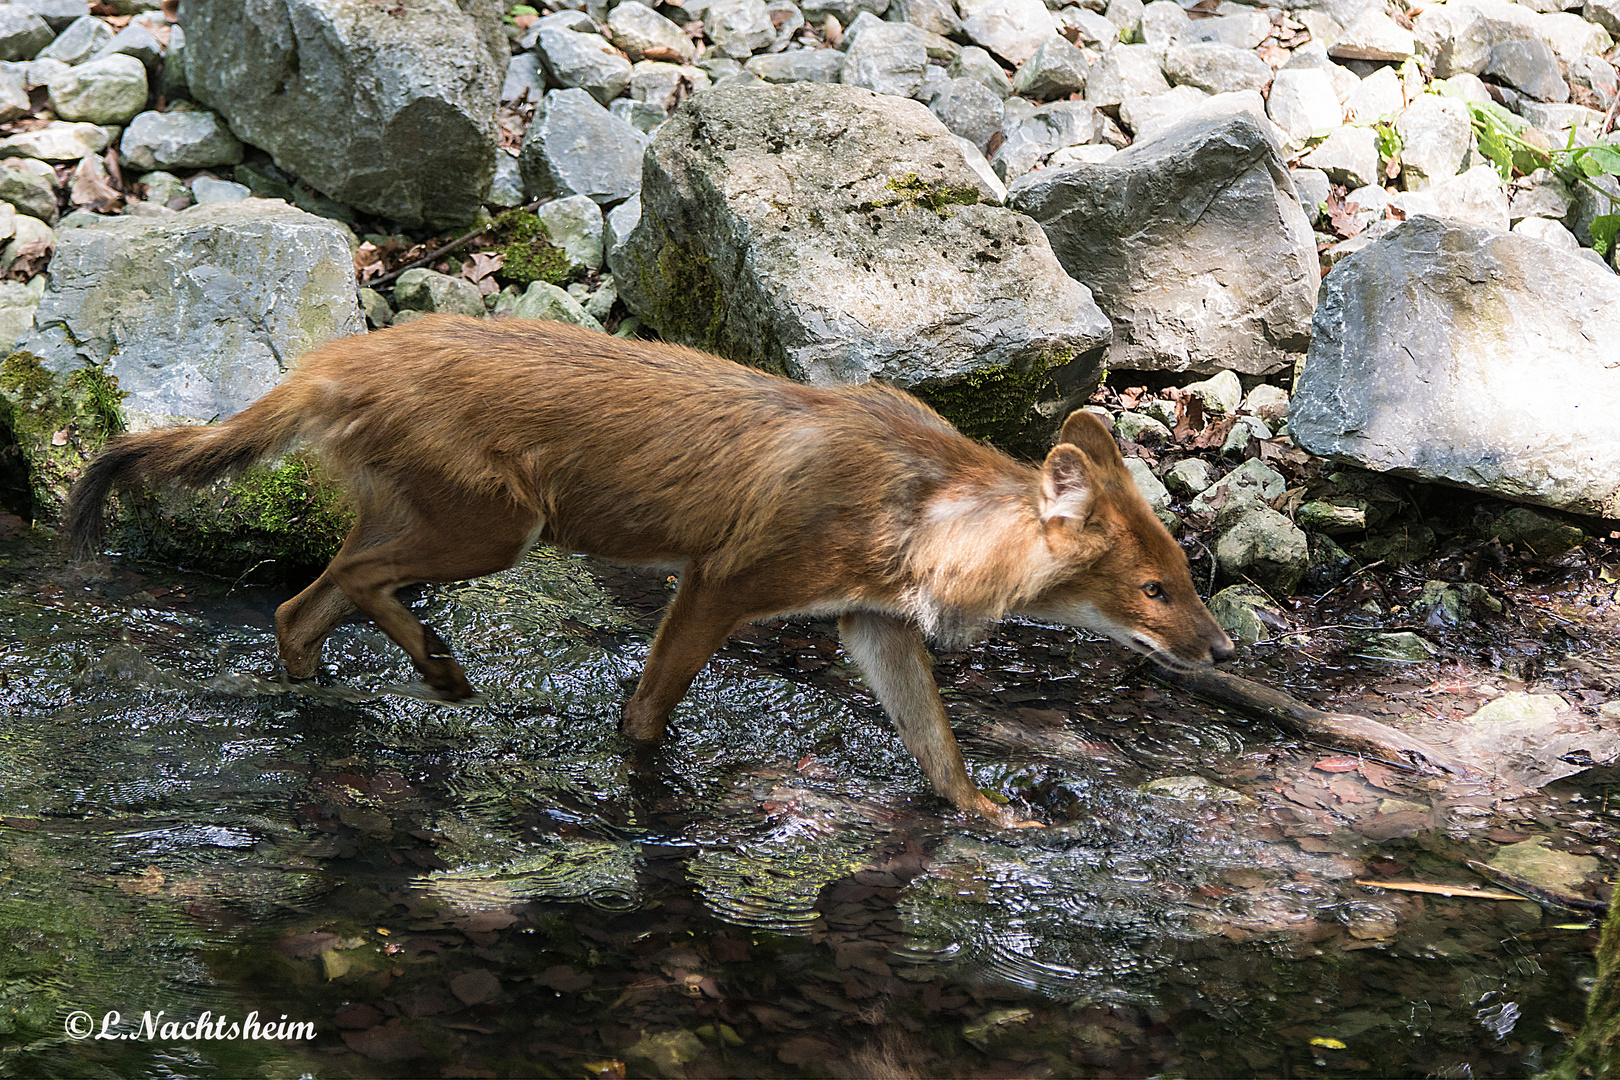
column 464, row 442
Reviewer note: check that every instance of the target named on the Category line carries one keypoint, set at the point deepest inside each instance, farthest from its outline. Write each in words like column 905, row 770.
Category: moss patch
column 936, row 195
column 997, row 404
column 58, row 421
column 529, row 254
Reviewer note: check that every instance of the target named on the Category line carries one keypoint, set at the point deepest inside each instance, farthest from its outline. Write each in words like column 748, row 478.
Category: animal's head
column 1125, row 575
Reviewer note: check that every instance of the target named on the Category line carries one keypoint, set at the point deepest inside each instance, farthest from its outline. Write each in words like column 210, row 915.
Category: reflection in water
column 506, row 889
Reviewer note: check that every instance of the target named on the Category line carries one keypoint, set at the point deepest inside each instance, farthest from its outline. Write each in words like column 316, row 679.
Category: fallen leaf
column 1439, row 890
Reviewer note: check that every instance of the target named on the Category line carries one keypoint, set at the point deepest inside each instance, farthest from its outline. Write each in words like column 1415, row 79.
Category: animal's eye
column 1153, row 590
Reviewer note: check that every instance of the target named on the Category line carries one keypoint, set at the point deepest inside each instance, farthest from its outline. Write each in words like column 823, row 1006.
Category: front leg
column 892, row 655
column 702, row 616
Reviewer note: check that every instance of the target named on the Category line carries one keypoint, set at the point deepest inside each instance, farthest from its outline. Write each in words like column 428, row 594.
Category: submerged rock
column 1450, row 352
column 1194, row 243
column 836, row 235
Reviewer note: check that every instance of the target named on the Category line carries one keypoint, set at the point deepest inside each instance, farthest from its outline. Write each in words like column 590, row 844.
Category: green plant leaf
column 1603, row 230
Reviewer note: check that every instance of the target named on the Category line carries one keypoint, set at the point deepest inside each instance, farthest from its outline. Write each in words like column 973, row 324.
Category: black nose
column 1222, row 649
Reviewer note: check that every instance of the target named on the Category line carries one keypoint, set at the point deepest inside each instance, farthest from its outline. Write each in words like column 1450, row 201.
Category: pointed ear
column 1068, row 485
column 1087, row 431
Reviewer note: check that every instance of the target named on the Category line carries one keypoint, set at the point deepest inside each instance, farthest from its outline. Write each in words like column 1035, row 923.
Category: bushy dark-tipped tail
column 188, row 456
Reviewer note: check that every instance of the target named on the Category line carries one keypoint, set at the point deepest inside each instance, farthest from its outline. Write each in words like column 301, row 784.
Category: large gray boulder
column 1450, row 352
column 199, row 313
column 1193, row 242
column 836, row 235
column 389, row 108
column 576, row 147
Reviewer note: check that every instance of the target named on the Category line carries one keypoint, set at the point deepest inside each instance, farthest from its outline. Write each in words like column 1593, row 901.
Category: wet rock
column 1404, row 373
column 178, row 140
column 200, row 313
column 576, row 147
column 1403, row 647
column 1539, row 533
column 1445, row 604
column 1251, row 482
column 1194, row 243
column 1333, row 517
column 1190, row 476
column 76, row 44
column 824, row 231
column 1216, row 68
column 109, row 91
column 575, row 225
column 1262, row 546
column 587, row 62
column 1534, row 739
column 1400, row 546
column 1012, row 29
column 1235, row 608
column 1056, row 70
column 644, row 34
column 799, row 65
column 1373, row 35
column 1436, row 135
column 1193, row 789
column 1348, row 156
column 22, row 33
column 393, row 112
column 1530, row 66
column 887, row 58
column 542, row 300
column 1126, row 72
column 426, row 290
column 1329, row 563
column 1537, row 862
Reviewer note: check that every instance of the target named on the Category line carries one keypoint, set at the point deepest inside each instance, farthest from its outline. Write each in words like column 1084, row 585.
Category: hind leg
column 303, row 623
column 452, row 538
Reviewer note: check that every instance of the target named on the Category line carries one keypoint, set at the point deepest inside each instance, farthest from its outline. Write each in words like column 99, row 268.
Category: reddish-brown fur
column 463, row 442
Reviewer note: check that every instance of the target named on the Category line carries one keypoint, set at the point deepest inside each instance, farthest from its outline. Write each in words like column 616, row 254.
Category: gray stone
column 1141, row 428
column 1164, row 21
column 1474, row 196
column 1312, row 56
column 27, row 233
column 618, row 224
column 390, row 109
column 1304, row 105
column 1534, row 739
column 1141, row 115
column 796, row 228
column 1220, row 394
column 1548, row 232
column 1242, row 30
column 1215, row 67
column 1313, row 188
column 1251, row 482
column 206, row 189
column 1262, row 546
column 575, row 225
column 1194, row 244
column 165, row 189
column 200, row 313
column 1604, row 13
column 1559, row 120
column 934, row 16
column 1011, row 29
column 1189, row 476
column 524, row 79
column 845, row 11
column 798, row 65
column 1152, row 490
column 14, row 102
column 644, row 116
column 1503, row 381
column 375, row 307
column 1349, row 156
column 644, row 34
column 545, row 301
column 1087, row 28
column 1530, row 66
column 1436, row 134
column 78, row 42
column 1270, row 403
column 969, row 109
column 576, row 147
column 31, row 194
column 171, row 77
column 1572, row 37
column 887, row 58
column 976, row 64
column 109, row 91
column 1588, row 204
column 22, row 33
column 738, row 28
column 1125, row 72
column 1045, row 130
column 1541, row 194
column 137, row 41
column 1246, row 430
column 1056, row 70
column 58, row 14
column 425, row 290
column 178, row 140
column 667, row 85
column 1373, row 35
column 1453, row 38
column 1377, row 96
column 1212, row 108
column 1235, row 607
column 506, row 187
column 584, row 62
column 1127, row 15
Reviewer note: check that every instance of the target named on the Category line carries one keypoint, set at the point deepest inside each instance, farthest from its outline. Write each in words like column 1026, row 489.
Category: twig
column 1438, row 890
column 388, row 278
column 1539, row 893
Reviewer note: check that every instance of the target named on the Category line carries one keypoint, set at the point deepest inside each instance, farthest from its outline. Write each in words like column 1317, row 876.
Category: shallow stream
column 504, row 889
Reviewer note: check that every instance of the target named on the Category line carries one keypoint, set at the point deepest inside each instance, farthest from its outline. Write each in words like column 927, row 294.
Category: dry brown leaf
column 1439, row 890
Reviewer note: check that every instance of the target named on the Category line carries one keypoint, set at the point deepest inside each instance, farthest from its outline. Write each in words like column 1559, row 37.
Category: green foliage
column 530, row 256
column 1513, row 146
column 1389, row 146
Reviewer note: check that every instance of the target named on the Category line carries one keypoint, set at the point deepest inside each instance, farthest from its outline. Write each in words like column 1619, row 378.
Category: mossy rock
column 529, row 253
column 56, row 422
column 997, row 405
